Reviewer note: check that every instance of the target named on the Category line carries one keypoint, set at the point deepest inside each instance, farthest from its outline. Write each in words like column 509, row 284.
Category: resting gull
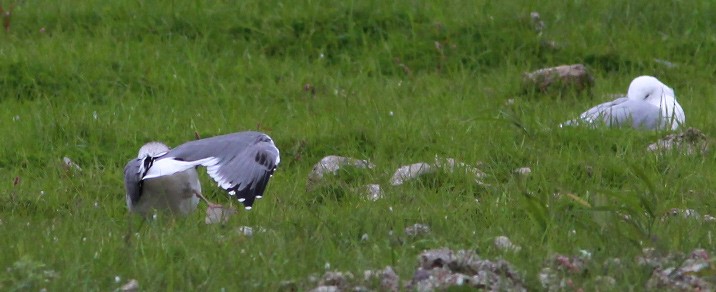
column 649, row 104
column 166, row 179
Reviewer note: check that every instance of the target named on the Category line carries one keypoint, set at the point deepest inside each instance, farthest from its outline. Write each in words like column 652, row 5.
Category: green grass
column 107, row 76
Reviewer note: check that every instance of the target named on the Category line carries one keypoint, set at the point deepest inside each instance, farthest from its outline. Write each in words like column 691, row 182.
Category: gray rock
column 131, row 286
column 326, row 289
column 690, row 142
column 70, row 165
column 412, row 171
column 504, row 243
column 452, row 165
column 218, row 214
column 336, row 279
column 556, row 275
column 331, row 164
column 389, row 280
column 417, row 229
column 537, row 22
column 374, row 192
column 676, row 271
column 523, row 171
column 409, row 172
column 560, row 77
column 442, row 268
column 249, row 231
column 667, row 64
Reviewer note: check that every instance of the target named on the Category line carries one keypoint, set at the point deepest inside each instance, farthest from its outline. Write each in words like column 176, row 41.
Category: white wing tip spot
column 247, row 207
column 259, row 197
column 231, row 193
column 241, row 200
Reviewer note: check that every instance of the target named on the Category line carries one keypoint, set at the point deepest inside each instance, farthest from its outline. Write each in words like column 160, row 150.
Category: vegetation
column 394, row 82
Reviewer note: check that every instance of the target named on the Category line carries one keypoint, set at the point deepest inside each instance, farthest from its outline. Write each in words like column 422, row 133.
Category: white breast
column 174, row 193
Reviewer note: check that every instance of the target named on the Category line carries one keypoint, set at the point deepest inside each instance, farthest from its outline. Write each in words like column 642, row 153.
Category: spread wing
column 241, row 163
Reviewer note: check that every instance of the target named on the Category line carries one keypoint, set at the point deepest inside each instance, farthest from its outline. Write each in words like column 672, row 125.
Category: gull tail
column 571, row 123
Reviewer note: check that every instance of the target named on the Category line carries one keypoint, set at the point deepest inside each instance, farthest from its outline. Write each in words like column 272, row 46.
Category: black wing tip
column 249, row 194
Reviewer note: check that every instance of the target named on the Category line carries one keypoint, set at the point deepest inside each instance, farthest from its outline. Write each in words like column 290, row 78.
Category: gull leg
column 211, row 205
column 128, row 236
column 130, row 218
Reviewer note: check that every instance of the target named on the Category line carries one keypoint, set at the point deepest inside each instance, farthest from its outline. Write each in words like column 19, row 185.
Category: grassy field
column 392, row 82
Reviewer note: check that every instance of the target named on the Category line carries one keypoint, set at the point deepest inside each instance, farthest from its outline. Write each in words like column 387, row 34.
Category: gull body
column 166, row 179
column 175, row 193
column 649, row 104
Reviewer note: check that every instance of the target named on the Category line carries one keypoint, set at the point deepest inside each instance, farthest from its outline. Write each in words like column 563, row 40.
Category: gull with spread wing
column 166, row 179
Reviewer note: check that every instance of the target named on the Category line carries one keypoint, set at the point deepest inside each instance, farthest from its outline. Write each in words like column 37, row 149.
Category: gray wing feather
column 244, row 161
column 633, row 113
column 132, row 182
column 621, row 112
column 595, row 112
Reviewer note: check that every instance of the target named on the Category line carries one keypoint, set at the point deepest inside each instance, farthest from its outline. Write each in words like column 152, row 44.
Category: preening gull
column 649, row 104
column 175, row 193
column 166, row 179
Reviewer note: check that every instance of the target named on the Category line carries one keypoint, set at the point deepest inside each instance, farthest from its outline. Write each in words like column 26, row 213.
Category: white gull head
column 152, row 149
column 653, row 91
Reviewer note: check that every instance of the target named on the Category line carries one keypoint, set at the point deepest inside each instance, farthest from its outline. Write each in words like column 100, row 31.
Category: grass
column 95, row 80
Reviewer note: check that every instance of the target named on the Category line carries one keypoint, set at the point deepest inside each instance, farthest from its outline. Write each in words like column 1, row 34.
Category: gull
column 166, row 179
column 649, row 104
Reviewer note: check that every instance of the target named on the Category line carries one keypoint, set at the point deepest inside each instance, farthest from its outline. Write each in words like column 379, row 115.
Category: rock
column 442, row 268
column 550, row 280
column 550, row 44
column 131, row 286
column 412, row 171
column 326, row 289
column 537, row 22
column 434, row 258
column 667, row 64
column 573, row 264
column 689, row 142
column 561, row 77
column 556, row 275
column 417, row 229
column 374, row 192
column 409, row 172
column 70, row 165
column 605, row 282
column 331, row 165
column 288, row 286
column 218, row 214
column 523, row 171
column 451, row 165
column 674, row 271
column 340, row 280
column 504, row 243
column 364, row 237
column 389, row 280
column 699, row 253
column 249, row 231
column 685, row 213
